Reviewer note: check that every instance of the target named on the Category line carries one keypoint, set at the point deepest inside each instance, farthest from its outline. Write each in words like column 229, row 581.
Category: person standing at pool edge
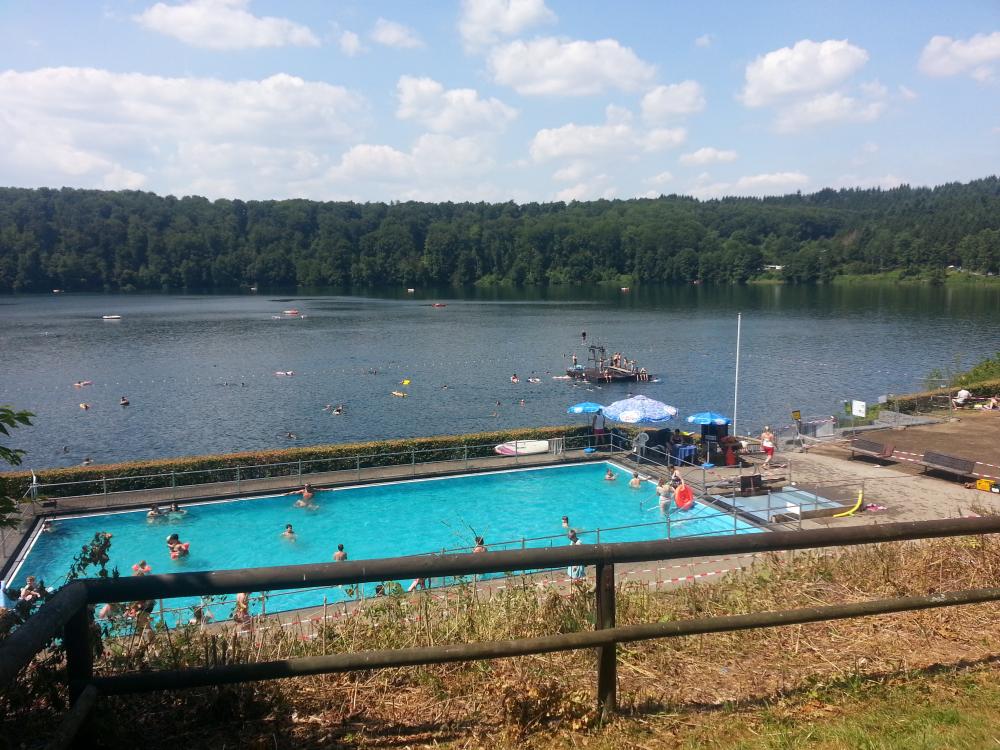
column 339, row 555
column 767, row 443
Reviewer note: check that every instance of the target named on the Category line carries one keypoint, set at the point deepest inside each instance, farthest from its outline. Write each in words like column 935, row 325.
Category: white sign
column 859, row 409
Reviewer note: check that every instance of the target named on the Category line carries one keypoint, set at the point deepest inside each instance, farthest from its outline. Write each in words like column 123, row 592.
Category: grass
column 873, row 682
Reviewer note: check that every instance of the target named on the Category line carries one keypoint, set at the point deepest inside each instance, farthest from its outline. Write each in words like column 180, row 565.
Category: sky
column 496, row 100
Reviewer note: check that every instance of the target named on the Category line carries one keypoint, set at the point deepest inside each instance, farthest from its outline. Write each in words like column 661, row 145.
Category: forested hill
column 81, row 240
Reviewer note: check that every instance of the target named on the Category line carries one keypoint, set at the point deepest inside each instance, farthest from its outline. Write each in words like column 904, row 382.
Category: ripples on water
column 199, row 370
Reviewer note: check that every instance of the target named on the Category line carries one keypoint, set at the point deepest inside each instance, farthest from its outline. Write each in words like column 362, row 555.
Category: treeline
column 90, row 240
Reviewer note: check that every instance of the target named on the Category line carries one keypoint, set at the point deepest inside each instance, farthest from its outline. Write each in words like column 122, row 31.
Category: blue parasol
column 586, row 407
column 708, row 417
column 639, row 410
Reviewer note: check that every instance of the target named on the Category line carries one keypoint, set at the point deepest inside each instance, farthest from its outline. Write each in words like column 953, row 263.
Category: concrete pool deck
column 826, row 470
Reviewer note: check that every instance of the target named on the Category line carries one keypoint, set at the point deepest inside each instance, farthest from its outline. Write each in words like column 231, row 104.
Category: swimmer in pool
column 177, row 547
column 565, row 522
column 306, row 501
column 154, row 513
column 635, row 483
column 289, row 532
column 480, row 546
column 339, row 555
column 176, row 510
column 609, row 476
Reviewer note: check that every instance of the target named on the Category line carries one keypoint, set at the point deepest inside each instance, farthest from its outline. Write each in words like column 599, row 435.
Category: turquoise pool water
column 385, row 520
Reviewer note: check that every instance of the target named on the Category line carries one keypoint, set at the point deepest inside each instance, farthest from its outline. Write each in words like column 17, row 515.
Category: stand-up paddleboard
column 522, row 447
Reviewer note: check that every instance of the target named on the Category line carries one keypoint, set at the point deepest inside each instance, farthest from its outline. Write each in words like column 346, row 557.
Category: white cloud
column 705, row 40
column 802, row 69
column 224, row 25
column 427, row 102
column 597, row 187
column 580, row 140
column 659, row 139
column 944, row 56
column 484, row 22
column 393, row 34
column 548, row 66
column 708, row 155
column 659, row 179
column 600, row 141
column 673, row 100
column 773, row 183
column 571, row 172
column 886, row 182
column 437, row 167
column 93, row 128
column 350, row 43
column 907, row 93
column 828, row 108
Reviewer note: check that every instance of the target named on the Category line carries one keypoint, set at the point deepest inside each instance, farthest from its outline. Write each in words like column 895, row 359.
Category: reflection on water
column 200, row 370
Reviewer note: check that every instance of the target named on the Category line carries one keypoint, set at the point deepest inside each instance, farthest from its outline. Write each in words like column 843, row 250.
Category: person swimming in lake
column 514, row 378
column 609, row 476
column 635, row 482
column 123, row 401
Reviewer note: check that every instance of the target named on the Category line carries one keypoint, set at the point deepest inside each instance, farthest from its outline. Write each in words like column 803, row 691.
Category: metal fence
column 413, row 462
column 67, row 613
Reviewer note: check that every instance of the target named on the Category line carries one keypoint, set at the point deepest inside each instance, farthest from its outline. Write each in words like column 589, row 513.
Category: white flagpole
column 736, row 390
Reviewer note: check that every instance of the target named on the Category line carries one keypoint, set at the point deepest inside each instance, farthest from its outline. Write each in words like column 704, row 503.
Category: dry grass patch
column 667, row 688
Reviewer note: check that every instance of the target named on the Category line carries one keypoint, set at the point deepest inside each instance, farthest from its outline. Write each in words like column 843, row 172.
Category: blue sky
column 524, row 100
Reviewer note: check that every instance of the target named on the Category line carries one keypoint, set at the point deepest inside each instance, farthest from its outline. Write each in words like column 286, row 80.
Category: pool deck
column 905, row 494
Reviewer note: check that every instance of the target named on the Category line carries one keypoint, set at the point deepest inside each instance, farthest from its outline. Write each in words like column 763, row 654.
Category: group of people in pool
column 675, row 489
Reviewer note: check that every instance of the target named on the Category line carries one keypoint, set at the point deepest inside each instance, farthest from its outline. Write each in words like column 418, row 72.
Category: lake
column 199, row 371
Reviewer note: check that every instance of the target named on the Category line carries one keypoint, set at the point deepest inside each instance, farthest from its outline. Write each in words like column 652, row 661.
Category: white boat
column 111, row 317
column 522, row 447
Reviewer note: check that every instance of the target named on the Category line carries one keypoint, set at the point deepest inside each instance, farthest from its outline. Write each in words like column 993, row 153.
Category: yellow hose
column 857, row 506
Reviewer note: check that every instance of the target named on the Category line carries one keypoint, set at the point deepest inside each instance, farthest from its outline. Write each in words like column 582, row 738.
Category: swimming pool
column 383, row 520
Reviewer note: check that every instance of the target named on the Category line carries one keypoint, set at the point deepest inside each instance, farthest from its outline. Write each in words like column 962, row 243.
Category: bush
column 157, row 473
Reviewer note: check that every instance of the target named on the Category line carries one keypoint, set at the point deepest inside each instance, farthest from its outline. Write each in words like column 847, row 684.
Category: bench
column 870, row 448
column 960, row 467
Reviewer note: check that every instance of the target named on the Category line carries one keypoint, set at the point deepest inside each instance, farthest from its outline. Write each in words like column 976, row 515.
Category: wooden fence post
column 79, row 654
column 607, row 667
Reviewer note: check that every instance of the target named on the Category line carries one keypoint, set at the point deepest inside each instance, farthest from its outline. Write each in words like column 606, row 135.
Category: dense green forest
column 80, row 240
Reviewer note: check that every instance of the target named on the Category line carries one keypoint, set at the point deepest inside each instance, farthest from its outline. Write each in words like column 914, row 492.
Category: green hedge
column 131, row 475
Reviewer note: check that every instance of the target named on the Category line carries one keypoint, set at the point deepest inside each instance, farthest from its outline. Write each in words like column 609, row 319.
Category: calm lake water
column 200, row 370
